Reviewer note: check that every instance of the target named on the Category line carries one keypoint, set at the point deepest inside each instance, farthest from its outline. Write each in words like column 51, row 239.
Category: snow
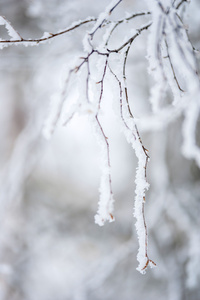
column 106, row 200
column 11, row 31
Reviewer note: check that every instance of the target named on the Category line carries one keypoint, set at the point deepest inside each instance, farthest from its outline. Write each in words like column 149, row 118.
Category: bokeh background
column 50, row 247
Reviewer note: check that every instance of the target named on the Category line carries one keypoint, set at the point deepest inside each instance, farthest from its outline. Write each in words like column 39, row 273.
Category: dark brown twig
column 131, row 39
column 125, row 20
column 180, row 3
column 51, row 36
column 102, row 83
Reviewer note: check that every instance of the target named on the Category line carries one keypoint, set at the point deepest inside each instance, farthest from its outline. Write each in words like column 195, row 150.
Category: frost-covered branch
column 18, row 39
column 93, row 105
column 141, row 183
column 133, row 136
column 172, row 63
column 114, row 25
column 175, row 45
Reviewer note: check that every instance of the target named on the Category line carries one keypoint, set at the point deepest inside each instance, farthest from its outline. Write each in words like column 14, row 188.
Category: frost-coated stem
column 102, row 84
column 106, row 201
column 141, row 183
column 114, row 25
column 172, row 67
column 133, row 136
column 18, row 39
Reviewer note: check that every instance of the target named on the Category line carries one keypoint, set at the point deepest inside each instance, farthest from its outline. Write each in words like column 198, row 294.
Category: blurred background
column 50, row 247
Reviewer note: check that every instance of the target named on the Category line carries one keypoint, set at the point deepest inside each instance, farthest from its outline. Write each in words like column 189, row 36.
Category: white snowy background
column 50, row 247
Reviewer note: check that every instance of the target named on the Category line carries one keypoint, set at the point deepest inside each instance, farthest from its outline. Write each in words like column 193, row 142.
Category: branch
column 117, row 23
column 103, row 17
column 180, row 3
column 172, row 67
column 105, row 210
column 140, row 187
column 49, row 36
column 137, row 144
column 129, row 42
column 102, row 83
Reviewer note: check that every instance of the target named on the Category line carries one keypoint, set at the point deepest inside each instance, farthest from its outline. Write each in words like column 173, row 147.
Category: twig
column 131, row 39
column 180, row 3
column 87, row 79
column 102, row 83
column 108, row 156
column 110, row 200
column 121, row 104
column 51, row 35
column 140, row 141
column 146, row 160
column 101, row 21
column 117, row 23
column 172, row 68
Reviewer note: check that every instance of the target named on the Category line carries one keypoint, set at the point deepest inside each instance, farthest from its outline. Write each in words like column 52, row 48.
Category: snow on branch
column 132, row 134
column 17, row 39
column 11, row 31
column 172, row 60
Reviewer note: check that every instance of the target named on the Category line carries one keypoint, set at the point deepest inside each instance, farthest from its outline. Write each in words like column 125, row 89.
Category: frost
column 155, row 58
column 172, row 61
column 11, row 31
column 106, row 200
column 46, row 35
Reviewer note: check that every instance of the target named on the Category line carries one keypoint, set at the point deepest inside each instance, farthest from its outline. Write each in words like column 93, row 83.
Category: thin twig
column 129, row 109
column 87, row 79
column 102, row 83
column 117, row 23
column 120, row 101
column 177, row 7
column 172, row 67
column 130, row 40
column 51, row 36
column 145, row 153
column 104, row 136
column 104, row 19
